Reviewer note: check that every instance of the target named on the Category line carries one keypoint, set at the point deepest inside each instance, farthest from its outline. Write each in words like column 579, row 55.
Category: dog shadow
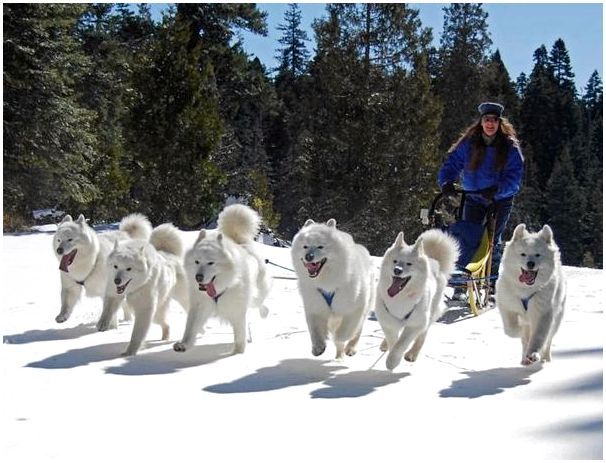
column 288, row 373
column 356, row 384
column 51, row 335
column 490, row 382
column 169, row 361
column 80, row 357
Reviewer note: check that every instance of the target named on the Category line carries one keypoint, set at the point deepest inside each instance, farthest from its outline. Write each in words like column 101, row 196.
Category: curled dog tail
column 442, row 247
column 239, row 223
column 137, row 226
column 166, row 238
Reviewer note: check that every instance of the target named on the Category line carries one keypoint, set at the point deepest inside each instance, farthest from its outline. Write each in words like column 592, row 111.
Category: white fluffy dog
column 410, row 291
column 82, row 255
column 226, row 277
column 336, row 282
column 149, row 275
column 531, row 291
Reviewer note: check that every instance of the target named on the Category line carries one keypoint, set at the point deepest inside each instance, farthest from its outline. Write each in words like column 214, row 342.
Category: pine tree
column 497, row 86
column 566, row 204
column 463, row 54
column 293, row 57
column 48, row 140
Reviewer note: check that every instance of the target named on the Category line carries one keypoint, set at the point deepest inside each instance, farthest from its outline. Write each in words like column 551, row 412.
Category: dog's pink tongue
column 64, row 263
column 527, row 277
column 395, row 288
column 211, row 290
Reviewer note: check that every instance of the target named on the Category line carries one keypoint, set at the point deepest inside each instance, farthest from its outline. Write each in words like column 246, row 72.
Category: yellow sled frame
column 478, row 286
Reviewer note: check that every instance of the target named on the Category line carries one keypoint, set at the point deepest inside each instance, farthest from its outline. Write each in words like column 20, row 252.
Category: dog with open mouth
column 149, row 275
column 531, row 291
column 226, row 276
column 410, row 291
column 82, row 255
column 336, row 282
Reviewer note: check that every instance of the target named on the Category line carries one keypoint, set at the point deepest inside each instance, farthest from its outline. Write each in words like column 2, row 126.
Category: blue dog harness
column 328, row 297
column 526, row 300
column 406, row 317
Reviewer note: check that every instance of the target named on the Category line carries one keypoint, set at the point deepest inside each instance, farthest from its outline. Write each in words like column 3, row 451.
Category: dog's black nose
column 309, row 257
column 397, row 271
column 530, row 264
column 117, row 281
column 199, row 277
column 59, row 250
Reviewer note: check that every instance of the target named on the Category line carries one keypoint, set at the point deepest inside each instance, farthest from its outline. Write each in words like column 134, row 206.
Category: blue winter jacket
column 508, row 180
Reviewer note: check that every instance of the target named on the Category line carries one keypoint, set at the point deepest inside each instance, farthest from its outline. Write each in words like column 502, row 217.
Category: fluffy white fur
column 149, row 275
column 82, row 256
column 329, row 262
column 531, row 271
column 225, row 275
column 410, row 291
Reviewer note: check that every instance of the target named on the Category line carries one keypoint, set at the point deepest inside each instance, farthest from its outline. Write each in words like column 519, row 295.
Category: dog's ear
column 201, row 236
column 418, row 248
column 81, row 220
column 67, row 218
column 308, row 222
column 547, row 234
column 400, row 239
column 519, row 232
column 332, row 223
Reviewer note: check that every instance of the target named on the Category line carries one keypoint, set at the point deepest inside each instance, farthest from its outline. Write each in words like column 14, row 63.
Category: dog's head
column 70, row 237
column 401, row 264
column 532, row 256
column 317, row 247
column 211, row 264
column 129, row 264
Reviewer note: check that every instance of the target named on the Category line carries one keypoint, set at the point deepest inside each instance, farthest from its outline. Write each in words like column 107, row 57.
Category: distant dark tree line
column 107, row 111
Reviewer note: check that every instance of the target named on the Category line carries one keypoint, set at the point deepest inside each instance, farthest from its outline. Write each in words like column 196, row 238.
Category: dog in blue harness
column 531, row 291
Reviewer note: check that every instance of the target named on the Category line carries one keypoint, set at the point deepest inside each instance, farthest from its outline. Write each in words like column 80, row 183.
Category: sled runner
column 445, row 213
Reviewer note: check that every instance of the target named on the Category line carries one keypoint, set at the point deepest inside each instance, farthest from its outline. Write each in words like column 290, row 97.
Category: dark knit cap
column 491, row 108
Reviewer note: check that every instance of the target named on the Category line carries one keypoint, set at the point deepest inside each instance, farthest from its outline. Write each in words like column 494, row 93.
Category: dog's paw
column 531, row 358
column 60, row 318
column 410, row 357
column 238, row 349
column 350, row 351
column 393, row 361
column 384, row 347
column 318, row 350
column 103, row 325
column 128, row 353
column 179, row 347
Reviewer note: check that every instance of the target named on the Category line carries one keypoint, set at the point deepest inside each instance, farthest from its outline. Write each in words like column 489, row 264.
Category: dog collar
column 406, row 317
column 328, row 297
column 526, row 300
column 81, row 282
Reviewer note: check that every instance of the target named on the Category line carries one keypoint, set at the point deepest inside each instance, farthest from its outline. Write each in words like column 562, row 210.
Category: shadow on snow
column 299, row 372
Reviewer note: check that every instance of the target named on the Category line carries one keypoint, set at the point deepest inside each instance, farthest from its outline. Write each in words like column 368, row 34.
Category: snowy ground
column 67, row 395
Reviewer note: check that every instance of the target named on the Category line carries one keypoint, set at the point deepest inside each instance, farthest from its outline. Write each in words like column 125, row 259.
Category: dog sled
column 475, row 280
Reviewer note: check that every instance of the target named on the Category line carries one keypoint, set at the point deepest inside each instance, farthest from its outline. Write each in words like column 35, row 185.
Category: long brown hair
column 505, row 137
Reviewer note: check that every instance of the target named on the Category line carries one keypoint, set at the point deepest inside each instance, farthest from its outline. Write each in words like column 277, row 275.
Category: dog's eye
column 523, row 254
column 116, row 267
column 305, row 247
column 211, row 263
column 197, row 262
column 537, row 255
column 409, row 263
column 70, row 239
column 129, row 269
column 320, row 247
column 395, row 261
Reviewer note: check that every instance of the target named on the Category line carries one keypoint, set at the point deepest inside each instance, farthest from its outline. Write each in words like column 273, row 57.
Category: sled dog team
column 142, row 269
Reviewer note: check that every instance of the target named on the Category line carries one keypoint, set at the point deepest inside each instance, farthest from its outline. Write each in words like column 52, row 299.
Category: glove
column 488, row 193
column 448, row 189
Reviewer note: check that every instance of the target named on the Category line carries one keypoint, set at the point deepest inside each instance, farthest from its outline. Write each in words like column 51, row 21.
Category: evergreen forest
column 109, row 111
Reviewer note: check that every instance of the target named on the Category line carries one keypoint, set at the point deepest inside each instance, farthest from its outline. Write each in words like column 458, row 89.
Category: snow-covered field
column 67, row 395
